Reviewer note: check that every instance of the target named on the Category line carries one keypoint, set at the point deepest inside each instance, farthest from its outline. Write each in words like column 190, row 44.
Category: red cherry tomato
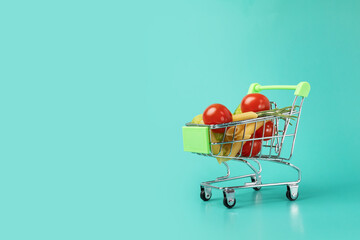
column 269, row 126
column 217, row 114
column 247, row 148
column 255, row 102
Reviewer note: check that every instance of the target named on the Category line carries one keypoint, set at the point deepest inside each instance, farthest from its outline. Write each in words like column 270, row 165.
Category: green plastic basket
column 196, row 139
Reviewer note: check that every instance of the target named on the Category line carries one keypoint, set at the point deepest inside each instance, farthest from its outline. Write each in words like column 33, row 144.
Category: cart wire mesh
column 232, row 142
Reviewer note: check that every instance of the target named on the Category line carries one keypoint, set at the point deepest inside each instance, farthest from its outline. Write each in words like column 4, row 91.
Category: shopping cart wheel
column 254, row 180
column 292, row 192
column 229, row 198
column 205, row 193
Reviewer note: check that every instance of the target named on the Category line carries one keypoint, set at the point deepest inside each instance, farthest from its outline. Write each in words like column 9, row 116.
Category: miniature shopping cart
column 278, row 148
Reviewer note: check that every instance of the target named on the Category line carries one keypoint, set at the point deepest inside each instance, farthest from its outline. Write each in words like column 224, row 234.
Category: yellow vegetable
column 250, row 129
column 239, row 135
column 244, row 116
column 197, row 119
column 238, row 109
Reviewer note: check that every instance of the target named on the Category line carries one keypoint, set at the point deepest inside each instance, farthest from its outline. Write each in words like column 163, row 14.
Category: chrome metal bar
column 277, row 124
column 250, row 166
column 296, row 127
column 227, row 179
column 242, row 144
column 227, row 172
column 272, row 139
column 287, row 121
column 208, row 183
column 263, row 137
column 211, row 143
column 274, row 131
column 259, row 165
column 252, row 143
column 233, row 138
column 247, row 140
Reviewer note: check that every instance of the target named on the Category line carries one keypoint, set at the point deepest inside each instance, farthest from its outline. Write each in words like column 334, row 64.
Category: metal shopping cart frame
column 198, row 138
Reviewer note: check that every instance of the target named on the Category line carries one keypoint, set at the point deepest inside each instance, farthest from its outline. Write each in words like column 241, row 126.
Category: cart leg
column 205, row 193
column 257, row 182
column 229, row 197
column 227, row 172
column 292, row 192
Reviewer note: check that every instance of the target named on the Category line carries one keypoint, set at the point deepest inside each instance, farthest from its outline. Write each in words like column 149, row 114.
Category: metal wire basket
column 277, row 148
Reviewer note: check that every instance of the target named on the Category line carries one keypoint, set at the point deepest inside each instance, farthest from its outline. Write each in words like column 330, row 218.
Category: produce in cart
column 232, row 144
column 257, row 130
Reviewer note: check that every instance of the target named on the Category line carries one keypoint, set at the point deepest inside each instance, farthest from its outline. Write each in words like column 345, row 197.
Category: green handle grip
column 302, row 89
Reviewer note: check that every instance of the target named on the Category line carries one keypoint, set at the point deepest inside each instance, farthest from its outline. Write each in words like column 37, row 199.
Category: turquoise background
column 93, row 96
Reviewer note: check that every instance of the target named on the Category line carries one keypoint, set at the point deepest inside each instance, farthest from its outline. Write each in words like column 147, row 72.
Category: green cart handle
column 302, row 89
